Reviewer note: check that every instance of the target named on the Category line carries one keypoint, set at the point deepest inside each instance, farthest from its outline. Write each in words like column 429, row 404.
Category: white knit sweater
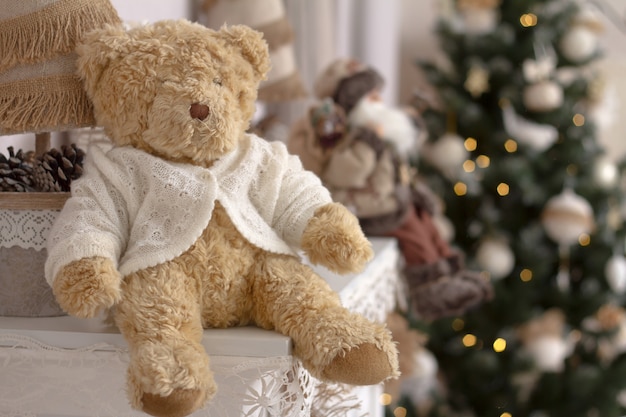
column 140, row 210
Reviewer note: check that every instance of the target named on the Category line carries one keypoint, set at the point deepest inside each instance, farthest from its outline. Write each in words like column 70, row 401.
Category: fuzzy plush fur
column 136, row 79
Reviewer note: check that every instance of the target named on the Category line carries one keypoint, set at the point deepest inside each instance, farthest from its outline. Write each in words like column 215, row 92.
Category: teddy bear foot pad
column 362, row 365
column 179, row 403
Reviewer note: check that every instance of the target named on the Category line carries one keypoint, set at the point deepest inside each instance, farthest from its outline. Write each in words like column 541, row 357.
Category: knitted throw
column 39, row 90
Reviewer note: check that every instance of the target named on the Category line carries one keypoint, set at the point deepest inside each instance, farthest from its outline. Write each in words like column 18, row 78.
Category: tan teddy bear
column 187, row 222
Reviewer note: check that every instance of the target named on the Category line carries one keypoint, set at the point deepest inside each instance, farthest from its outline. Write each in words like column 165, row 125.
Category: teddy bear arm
column 334, row 239
column 87, row 286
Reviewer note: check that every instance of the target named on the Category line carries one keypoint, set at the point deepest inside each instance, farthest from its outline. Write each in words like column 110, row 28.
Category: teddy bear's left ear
column 252, row 45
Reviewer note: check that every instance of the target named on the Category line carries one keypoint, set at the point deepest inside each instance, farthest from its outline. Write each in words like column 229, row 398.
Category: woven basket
column 25, row 220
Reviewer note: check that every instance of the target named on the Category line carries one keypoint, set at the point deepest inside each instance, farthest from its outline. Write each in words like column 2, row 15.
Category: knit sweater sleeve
column 300, row 193
column 93, row 222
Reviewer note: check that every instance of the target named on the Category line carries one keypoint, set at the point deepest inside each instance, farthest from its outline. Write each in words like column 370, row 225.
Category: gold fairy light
column 469, row 166
column 385, row 399
column 471, row 144
column 499, row 345
column 503, row 189
column 528, row 20
column 584, row 239
column 578, row 119
column 460, row 189
column 477, row 4
column 399, row 412
column 510, row 145
column 526, row 275
column 483, row 161
column 469, row 340
column 506, row 415
column 458, row 324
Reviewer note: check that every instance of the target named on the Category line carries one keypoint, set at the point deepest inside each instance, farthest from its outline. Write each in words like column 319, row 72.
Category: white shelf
column 72, row 333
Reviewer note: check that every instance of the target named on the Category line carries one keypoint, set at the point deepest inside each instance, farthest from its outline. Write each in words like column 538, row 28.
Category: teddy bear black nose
column 199, row 111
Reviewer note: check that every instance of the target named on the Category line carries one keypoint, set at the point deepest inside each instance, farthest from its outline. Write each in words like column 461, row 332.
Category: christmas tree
column 535, row 203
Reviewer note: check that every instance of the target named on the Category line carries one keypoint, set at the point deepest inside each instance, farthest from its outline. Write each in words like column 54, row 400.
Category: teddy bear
column 187, row 222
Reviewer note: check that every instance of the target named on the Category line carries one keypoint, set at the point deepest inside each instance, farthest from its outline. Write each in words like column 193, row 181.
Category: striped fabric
column 39, row 90
column 267, row 16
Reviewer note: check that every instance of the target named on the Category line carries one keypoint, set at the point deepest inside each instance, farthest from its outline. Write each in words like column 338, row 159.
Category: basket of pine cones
column 33, row 189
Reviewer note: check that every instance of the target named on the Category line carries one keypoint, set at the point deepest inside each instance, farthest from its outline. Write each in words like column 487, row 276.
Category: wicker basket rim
column 33, row 200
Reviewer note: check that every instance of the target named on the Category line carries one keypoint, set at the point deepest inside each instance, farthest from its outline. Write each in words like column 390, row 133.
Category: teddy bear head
column 175, row 89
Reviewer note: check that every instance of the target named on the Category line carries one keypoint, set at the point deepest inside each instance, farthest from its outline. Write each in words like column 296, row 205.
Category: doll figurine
column 360, row 148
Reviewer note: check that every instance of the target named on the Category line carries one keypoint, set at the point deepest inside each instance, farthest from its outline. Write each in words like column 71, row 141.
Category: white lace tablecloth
column 61, row 373
column 40, row 380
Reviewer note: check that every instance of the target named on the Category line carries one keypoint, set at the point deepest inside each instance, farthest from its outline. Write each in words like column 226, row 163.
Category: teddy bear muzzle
column 199, row 111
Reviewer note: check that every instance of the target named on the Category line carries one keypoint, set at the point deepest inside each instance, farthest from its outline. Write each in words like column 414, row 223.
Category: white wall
column 613, row 67
column 417, row 41
column 152, row 10
column 369, row 31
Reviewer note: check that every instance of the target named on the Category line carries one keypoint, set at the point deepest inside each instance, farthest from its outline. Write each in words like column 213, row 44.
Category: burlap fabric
column 39, row 90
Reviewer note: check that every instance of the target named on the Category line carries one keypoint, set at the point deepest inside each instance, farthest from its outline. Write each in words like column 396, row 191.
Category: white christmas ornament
column 540, row 69
column 549, row 352
column 566, row 216
column 605, row 172
column 495, row 257
column 543, row 96
column 447, row 154
column 579, row 43
column 538, row 136
column 615, row 272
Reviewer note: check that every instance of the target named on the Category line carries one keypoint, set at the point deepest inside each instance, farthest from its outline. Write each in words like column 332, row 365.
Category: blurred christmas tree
column 536, row 204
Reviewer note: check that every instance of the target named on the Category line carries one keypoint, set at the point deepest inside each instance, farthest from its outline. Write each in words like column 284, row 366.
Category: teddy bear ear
column 252, row 45
column 96, row 50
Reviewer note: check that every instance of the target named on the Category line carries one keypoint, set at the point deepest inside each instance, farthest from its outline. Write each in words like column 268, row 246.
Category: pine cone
column 16, row 171
column 55, row 170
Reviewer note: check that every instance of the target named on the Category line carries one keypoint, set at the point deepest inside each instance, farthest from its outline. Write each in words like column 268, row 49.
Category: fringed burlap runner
column 53, row 29
column 44, row 104
column 39, row 90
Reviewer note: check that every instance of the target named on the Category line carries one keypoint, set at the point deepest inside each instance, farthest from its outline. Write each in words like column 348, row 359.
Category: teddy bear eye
column 217, row 81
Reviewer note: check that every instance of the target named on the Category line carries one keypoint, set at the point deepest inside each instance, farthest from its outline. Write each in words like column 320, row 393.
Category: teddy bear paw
column 333, row 238
column 365, row 364
column 85, row 287
column 180, row 403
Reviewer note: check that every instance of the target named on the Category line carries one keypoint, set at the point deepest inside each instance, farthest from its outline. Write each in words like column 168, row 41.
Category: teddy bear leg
column 159, row 316
column 333, row 343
